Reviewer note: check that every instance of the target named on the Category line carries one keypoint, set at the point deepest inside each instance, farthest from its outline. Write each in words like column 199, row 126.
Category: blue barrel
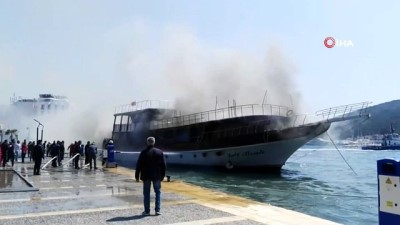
column 110, row 153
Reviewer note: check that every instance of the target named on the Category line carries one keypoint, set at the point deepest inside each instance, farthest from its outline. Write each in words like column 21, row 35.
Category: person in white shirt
column 17, row 149
column 104, row 155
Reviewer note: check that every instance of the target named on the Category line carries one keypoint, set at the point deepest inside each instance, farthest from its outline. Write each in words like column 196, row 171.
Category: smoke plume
column 168, row 64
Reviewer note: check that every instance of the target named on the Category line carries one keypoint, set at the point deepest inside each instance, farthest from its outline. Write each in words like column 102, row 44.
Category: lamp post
column 37, row 130
column 29, row 133
column 41, row 135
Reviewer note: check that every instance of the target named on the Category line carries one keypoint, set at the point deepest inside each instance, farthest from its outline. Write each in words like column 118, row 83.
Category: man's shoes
column 146, row 213
column 158, row 213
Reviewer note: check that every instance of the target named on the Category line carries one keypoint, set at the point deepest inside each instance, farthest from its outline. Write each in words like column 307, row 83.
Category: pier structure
column 111, row 196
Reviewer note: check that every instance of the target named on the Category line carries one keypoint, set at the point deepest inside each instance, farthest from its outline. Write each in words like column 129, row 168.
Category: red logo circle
column 332, row 40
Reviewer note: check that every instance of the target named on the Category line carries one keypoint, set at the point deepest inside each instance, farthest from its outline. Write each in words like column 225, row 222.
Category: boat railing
column 140, row 105
column 223, row 113
column 344, row 112
column 333, row 114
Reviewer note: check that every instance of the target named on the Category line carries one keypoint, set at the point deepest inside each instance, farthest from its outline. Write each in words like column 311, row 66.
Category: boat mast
column 265, row 97
column 216, row 105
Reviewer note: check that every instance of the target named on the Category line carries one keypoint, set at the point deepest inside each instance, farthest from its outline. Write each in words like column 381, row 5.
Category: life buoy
column 289, row 113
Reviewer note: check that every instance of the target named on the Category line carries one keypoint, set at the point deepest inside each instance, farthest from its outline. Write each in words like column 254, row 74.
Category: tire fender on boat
column 229, row 165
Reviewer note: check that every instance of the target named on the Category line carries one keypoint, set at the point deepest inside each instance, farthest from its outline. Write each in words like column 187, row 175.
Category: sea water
column 337, row 185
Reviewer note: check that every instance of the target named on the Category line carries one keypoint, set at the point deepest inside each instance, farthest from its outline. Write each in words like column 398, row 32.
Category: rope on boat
column 341, row 154
column 338, row 148
column 332, row 142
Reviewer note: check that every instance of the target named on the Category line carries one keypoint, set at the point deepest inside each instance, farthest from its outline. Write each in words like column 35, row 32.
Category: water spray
column 71, row 159
column 55, row 157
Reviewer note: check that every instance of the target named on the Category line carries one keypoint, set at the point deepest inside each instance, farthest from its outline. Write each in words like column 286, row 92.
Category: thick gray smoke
column 174, row 66
column 86, row 123
column 199, row 75
column 182, row 68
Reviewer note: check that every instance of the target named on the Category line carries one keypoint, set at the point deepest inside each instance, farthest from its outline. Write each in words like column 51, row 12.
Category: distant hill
column 382, row 116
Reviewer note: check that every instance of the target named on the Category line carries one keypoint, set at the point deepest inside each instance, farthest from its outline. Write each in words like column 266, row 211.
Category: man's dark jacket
column 37, row 153
column 151, row 164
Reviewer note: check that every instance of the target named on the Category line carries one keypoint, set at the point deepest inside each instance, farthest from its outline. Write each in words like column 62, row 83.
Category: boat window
column 124, row 119
column 42, row 107
column 181, row 156
column 131, row 127
column 194, row 155
column 204, row 154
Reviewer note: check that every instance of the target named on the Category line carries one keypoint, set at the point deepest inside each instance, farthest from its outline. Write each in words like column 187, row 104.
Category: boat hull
column 260, row 156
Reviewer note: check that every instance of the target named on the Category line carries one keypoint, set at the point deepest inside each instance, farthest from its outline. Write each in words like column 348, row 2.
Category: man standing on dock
column 151, row 167
column 92, row 151
column 4, row 152
column 37, row 156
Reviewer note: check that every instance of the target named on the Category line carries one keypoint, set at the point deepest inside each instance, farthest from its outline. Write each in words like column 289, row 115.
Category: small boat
column 389, row 142
column 243, row 137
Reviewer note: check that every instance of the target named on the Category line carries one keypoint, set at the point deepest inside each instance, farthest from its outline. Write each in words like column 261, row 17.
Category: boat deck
column 111, row 196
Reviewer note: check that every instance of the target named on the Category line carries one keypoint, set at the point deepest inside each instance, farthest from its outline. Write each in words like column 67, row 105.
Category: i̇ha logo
column 331, row 42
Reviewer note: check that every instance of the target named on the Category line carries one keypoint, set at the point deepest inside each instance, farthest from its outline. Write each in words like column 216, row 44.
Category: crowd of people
column 150, row 167
column 89, row 151
column 9, row 152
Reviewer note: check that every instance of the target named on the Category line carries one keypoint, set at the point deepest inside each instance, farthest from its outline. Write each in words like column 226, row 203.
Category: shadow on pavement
column 119, row 219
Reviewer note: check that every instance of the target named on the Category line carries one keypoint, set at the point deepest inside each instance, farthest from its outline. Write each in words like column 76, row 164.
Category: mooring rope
column 341, row 154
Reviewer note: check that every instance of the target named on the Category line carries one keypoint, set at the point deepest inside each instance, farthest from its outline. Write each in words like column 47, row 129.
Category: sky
column 102, row 54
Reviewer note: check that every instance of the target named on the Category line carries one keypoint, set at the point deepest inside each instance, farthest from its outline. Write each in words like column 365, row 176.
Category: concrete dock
column 112, row 196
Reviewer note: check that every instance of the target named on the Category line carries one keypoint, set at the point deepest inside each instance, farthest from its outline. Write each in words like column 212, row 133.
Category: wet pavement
column 111, row 196
column 13, row 181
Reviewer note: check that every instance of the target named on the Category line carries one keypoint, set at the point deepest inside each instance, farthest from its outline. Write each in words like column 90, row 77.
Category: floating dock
column 112, row 196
